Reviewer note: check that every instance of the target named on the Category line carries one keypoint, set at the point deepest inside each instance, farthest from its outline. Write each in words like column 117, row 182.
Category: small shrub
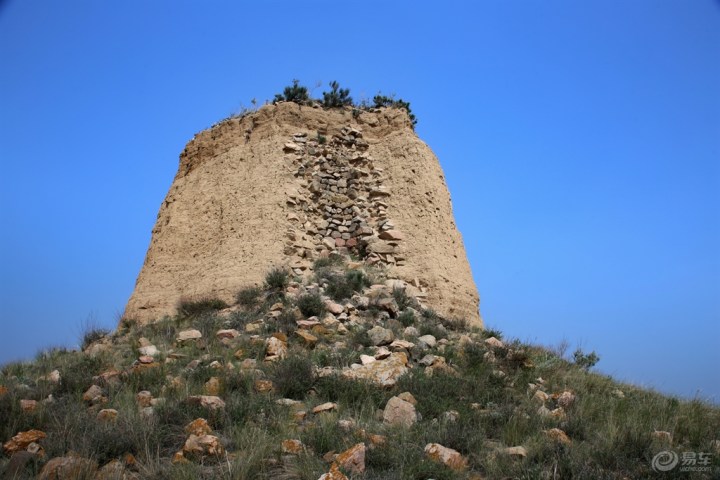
column 585, row 360
column 311, row 305
column 293, row 376
column 351, row 394
column 384, row 101
column 77, row 373
column 249, row 297
column 93, row 335
column 286, row 322
column 407, row 318
column 294, row 93
column 277, row 279
column 456, row 324
column 336, row 97
column 321, row 139
column 401, row 297
column 191, row 308
column 332, row 260
column 432, row 328
column 492, row 332
column 341, row 287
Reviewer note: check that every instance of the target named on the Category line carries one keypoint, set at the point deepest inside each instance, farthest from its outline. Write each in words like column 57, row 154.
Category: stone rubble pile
column 339, row 204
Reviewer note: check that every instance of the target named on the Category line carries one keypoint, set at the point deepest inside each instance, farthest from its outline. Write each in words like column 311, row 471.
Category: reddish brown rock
column 202, row 446
column 68, row 468
column 325, row 407
column 558, row 435
column 294, row 447
column 198, row 427
column 144, row 399
column 92, row 394
column 28, row 406
column 383, row 372
column 107, row 415
column 207, row 401
column 352, row 460
column 448, row 456
column 22, row 439
column 212, row 386
column 263, row 386
column 399, row 412
column 333, row 474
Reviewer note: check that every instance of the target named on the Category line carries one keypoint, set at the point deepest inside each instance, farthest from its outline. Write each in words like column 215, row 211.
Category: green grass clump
column 341, row 287
column 276, row 280
column 190, row 307
column 311, row 305
column 249, row 297
column 293, row 376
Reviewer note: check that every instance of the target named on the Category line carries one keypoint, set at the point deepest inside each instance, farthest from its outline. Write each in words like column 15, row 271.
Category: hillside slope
column 338, row 375
column 288, row 184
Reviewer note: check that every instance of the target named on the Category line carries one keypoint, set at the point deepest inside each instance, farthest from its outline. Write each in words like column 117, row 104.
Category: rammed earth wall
column 287, row 184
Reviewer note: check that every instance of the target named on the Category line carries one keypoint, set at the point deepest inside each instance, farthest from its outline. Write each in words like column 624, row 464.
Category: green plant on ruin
column 311, row 305
column 337, row 97
column 294, row 93
column 193, row 307
column 385, row 101
column 276, row 280
column 585, row 360
column 249, row 297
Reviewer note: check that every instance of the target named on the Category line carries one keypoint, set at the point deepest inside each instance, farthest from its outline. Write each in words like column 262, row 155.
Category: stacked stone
column 339, row 203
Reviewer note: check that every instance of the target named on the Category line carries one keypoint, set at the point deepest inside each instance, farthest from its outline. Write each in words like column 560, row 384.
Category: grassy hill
column 346, row 376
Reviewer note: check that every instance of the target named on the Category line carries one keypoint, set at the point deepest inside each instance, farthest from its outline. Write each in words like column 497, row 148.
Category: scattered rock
column 149, row 351
column 198, row 447
column 188, row 336
column 198, row 427
column 662, row 437
column 558, row 435
column 334, row 308
column 309, row 340
column 107, row 415
column 325, row 407
column 333, row 474
column 207, row 401
column 28, row 406
column 541, row 396
column 68, row 468
column 380, row 336
column 617, row 393
column 391, row 235
column 517, row 452
column 293, row 447
column 366, row 359
column 263, row 386
column 212, row 386
column 384, row 373
column 399, row 412
column 494, row 343
column 275, row 349
column 428, row 340
column 21, row 441
column 93, row 395
column 144, row 399
column 352, row 460
column 447, row 456
column 565, row 399
column 230, row 334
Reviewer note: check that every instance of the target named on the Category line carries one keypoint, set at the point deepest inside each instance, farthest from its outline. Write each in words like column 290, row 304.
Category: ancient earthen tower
column 289, row 183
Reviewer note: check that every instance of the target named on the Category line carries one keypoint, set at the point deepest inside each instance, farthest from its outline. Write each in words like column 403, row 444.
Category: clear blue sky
column 580, row 140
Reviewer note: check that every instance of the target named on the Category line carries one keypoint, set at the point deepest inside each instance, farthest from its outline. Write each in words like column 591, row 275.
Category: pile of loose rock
column 339, row 203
